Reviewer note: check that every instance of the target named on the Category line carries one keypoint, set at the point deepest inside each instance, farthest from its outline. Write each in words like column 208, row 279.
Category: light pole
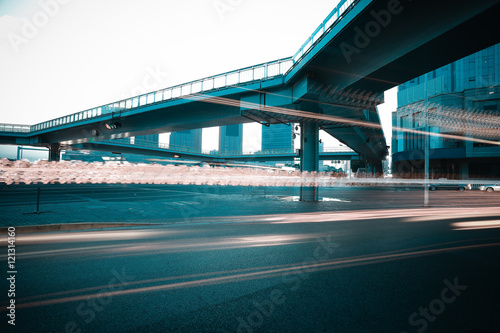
column 426, row 148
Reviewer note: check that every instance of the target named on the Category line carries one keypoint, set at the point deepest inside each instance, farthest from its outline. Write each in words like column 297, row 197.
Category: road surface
column 361, row 269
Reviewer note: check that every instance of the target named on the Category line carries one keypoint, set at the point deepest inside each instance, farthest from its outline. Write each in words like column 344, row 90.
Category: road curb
column 72, row 226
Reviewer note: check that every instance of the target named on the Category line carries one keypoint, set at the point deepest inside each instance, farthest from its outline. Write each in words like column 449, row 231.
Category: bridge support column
column 465, row 170
column 54, row 152
column 309, row 157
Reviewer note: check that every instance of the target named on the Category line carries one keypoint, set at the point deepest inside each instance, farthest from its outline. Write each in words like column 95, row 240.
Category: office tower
column 277, row 137
column 462, row 106
column 147, row 140
column 189, row 140
column 231, row 139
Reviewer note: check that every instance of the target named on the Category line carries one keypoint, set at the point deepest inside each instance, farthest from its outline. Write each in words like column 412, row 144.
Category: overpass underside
column 124, row 148
column 385, row 43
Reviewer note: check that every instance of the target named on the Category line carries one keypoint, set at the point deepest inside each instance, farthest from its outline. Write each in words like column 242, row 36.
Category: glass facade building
column 277, row 137
column 462, row 112
column 189, row 140
column 231, row 139
column 147, row 140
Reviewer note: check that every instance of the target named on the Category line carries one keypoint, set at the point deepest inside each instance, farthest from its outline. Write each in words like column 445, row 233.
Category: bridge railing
column 15, row 128
column 343, row 149
column 241, row 76
column 334, row 17
column 281, row 151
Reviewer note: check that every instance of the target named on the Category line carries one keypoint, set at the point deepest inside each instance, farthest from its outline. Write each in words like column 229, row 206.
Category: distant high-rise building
column 279, row 136
column 231, row 139
column 189, row 140
column 147, row 140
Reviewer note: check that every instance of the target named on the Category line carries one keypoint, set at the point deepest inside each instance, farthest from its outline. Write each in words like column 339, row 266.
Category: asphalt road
column 373, row 267
column 188, row 203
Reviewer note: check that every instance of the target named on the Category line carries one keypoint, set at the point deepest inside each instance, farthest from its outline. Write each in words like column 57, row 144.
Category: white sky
column 57, row 59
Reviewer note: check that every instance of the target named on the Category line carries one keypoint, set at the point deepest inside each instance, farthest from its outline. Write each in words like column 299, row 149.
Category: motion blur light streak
column 408, row 214
column 19, row 172
column 312, row 115
column 275, row 240
column 199, row 245
column 175, row 245
column 334, row 199
column 76, row 291
column 476, row 225
column 86, row 236
column 170, row 278
column 272, row 238
column 447, row 217
column 414, row 219
column 69, row 252
column 333, row 264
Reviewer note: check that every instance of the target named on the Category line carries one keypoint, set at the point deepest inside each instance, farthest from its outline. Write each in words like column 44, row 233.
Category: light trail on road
column 270, row 273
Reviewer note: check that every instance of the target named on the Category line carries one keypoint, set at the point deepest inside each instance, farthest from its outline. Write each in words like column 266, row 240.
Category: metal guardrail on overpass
column 241, row 76
column 335, row 16
column 16, row 128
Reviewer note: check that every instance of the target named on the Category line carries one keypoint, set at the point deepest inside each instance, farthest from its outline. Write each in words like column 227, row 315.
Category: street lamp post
column 426, row 148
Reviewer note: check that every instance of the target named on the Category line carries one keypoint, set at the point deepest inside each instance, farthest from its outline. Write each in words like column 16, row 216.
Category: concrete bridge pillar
column 309, row 157
column 54, row 152
column 465, row 170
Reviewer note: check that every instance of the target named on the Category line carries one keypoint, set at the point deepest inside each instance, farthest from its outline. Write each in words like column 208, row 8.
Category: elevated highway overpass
column 334, row 82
